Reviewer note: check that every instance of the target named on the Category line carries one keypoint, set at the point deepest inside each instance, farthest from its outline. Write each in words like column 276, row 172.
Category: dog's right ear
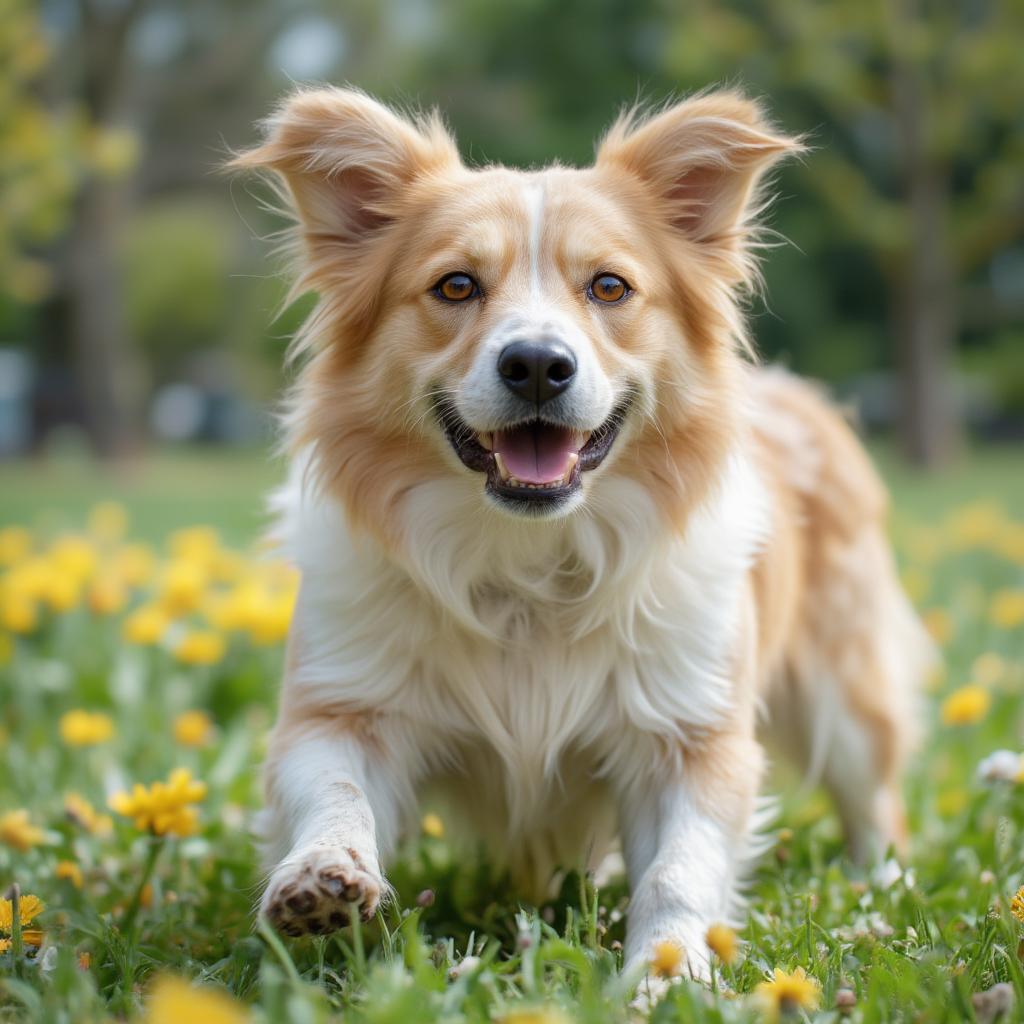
column 344, row 159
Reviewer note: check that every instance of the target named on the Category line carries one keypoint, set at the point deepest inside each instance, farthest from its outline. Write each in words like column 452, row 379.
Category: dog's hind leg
column 846, row 708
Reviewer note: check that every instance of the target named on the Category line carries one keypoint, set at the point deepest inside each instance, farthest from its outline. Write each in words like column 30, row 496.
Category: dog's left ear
column 704, row 159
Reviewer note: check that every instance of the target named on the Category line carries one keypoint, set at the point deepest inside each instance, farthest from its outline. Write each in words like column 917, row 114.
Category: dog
column 568, row 553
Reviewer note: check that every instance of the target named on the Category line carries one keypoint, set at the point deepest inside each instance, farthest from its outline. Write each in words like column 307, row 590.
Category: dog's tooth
column 513, row 482
column 580, row 438
column 567, row 475
column 484, row 437
column 500, row 463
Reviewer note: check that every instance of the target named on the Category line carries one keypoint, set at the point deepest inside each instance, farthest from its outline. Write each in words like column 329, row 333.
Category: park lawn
column 125, row 910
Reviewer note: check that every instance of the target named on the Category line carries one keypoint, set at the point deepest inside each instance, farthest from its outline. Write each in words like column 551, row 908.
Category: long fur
column 561, row 681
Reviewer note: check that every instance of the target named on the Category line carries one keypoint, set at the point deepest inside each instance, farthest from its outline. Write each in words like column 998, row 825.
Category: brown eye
column 608, row 288
column 456, row 288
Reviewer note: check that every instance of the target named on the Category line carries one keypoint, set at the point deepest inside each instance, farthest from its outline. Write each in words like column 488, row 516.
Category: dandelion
column 74, row 558
column 145, row 626
column 182, row 587
column 1017, row 904
column 787, row 993
column 172, row 1000
column 201, row 647
column 17, row 831
column 433, row 826
column 721, row 940
column 1007, row 609
column 966, row 706
column 82, row 813
column 668, row 959
column 69, row 871
column 535, row 1015
column 106, row 596
column 29, row 908
column 193, row 728
column 165, row 807
column 18, row 612
column 80, row 728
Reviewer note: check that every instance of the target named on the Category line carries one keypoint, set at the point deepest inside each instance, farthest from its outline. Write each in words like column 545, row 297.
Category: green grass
column 916, row 950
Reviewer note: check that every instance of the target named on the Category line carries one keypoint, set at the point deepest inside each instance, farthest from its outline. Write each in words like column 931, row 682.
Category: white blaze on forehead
column 533, row 194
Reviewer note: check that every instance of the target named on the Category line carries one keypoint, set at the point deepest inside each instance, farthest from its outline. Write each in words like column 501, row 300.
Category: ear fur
column 704, row 158
column 344, row 157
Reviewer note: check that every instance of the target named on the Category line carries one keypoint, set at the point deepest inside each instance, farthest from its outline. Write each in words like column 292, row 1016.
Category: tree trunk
column 106, row 364
column 926, row 324
column 926, row 279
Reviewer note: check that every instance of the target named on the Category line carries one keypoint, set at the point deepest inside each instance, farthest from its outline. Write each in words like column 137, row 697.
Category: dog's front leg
column 332, row 794
column 684, row 835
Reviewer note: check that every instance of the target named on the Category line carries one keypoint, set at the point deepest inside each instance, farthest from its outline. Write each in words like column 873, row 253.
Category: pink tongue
column 535, row 454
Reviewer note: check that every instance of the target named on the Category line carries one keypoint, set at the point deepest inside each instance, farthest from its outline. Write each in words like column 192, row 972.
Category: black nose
column 537, row 370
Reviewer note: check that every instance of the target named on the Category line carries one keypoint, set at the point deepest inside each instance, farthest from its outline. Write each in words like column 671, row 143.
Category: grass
column 916, row 945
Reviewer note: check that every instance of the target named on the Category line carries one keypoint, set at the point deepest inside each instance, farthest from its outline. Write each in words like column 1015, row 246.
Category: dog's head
column 525, row 331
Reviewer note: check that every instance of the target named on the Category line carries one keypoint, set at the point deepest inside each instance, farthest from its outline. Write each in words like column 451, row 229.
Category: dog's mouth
column 533, row 461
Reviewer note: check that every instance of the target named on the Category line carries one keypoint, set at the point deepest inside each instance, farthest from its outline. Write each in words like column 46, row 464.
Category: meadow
column 141, row 631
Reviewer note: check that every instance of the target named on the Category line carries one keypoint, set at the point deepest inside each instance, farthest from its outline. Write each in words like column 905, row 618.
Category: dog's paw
column 315, row 891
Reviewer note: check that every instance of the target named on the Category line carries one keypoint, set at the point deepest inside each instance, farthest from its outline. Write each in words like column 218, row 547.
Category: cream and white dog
column 564, row 548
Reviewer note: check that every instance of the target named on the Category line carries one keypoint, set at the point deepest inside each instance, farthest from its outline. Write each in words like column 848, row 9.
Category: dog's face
column 523, row 331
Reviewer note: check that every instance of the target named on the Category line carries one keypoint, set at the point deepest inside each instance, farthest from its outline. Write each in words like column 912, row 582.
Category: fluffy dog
column 564, row 548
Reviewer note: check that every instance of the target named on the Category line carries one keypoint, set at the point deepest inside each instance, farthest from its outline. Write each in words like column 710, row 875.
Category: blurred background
column 139, row 312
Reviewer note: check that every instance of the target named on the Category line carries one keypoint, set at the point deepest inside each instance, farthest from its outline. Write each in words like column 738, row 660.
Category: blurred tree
column 919, row 158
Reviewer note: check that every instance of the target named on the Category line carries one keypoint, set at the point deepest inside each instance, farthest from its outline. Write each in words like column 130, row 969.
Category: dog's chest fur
column 527, row 660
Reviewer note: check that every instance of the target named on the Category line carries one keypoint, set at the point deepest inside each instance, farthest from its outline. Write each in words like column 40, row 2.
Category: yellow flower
column 1007, row 609
column 80, row 728
column 534, row 1015
column 721, row 940
column 966, row 706
column 18, row 612
column 108, row 521
column 201, row 647
column 433, row 826
column 193, row 728
column 29, row 908
column 83, row 814
column 63, row 591
column 107, row 596
column 668, row 959
column 17, row 831
column 787, row 993
column 271, row 618
column 15, row 544
column 974, row 525
column 173, row 1000
column 182, row 587
column 70, row 871
column 1017, row 905
column 74, row 557
column 145, row 626
column 164, row 808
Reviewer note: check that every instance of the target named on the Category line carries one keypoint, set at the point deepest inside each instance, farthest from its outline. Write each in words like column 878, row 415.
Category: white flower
column 1001, row 766
column 465, row 966
column 887, row 874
